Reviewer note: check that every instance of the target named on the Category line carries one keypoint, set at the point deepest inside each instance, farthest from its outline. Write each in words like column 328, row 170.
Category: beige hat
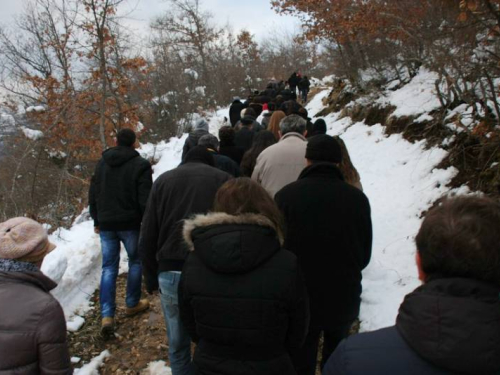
column 24, row 239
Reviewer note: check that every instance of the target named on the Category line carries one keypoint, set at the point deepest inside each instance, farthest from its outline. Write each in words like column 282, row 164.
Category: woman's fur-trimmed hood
column 221, row 218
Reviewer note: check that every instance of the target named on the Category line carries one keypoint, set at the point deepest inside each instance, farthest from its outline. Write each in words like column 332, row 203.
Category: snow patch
column 158, row 368
column 32, row 134
column 92, row 368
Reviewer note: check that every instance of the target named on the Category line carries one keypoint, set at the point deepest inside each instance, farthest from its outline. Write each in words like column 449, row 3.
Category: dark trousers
column 304, row 359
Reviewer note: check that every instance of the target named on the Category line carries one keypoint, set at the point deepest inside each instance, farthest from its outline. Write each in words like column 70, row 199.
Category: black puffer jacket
column 177, row 194
column 447, row 326
column 329, row 229
column 235, row 112
column 241, row 296
column 119, row 189
column 32, row 326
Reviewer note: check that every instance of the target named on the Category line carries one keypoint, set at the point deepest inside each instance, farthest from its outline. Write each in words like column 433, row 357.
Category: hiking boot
column 141, row 306
column 107, row 326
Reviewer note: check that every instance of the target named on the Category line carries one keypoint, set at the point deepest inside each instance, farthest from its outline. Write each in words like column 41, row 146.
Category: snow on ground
column 92, row 368
column 158, row 368
column 417, row 97
column 401, row 181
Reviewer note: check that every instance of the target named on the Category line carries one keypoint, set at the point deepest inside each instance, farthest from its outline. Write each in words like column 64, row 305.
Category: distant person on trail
column 235, row 111
column 293, row 81
column 118, row 194
column 227, row 146
column 329, row 229
column 450, row 324
column 304, row 86
column 262, row 140
column 221, row 162
column 176, row 195
column 274, row 123
column 200, row 129
column 241, row 297
column 250, row 113
column 32, row 323
column 350, row 173
column 281, row 164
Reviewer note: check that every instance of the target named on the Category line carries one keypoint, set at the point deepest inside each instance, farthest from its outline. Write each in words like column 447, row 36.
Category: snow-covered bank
column 401, row 181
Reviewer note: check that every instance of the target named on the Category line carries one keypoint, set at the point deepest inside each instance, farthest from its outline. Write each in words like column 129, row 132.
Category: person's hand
column 96, row 230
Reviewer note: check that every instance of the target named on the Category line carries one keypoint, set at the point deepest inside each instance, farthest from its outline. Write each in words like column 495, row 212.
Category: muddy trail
column 138, row 340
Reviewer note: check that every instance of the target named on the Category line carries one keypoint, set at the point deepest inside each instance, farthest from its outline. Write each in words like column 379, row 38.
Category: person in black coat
column 235, row 111
column 200, row 129
column 293, row 81
column 244, row 137
column 221, row 162
column 329, row 228
column 176, row 195
column 227, row 146
column 451, row 324
column 242, row 298
column 118, row 194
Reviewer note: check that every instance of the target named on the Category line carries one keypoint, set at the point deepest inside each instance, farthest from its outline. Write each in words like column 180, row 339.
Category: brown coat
column 281, row 164
column 32, row 326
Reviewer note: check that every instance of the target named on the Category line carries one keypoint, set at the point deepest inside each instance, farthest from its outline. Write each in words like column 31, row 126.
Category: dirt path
column 138, row 340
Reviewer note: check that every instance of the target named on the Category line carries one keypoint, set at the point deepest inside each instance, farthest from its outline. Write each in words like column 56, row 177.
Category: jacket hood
column 454, row 324
column 232, row 244
column 36, row 278
column 119, row 155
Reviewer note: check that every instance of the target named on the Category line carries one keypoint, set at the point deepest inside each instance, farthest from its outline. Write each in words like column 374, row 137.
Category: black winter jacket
column 244, row 138
column 447, row 326
column 176, row 195
column 235, row 112
column 192, row 141
column 231, row 151
column 241, row 297
column 119, row 189
column 32, row 326
column 329, row 229
column 226, row 164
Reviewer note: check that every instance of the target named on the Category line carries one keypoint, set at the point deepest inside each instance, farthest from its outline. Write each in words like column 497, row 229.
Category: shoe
column 107, row 326
column 141, row 306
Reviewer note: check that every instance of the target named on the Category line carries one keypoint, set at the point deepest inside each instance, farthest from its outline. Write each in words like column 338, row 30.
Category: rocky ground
column 138, row 340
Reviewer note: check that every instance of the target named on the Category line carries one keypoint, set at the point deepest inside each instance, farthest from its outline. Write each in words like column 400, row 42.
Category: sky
column 253, row 15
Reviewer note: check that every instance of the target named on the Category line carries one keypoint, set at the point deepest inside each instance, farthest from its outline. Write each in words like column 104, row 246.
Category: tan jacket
column 281, row 164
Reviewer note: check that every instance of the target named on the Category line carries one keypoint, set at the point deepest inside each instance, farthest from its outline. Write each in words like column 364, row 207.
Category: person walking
column 200, row 129
column 281, row 164
column 235, row 111
column 227, row 146
column 118, row 194
column 32, row 324
column 293, row 81
column 241, row 296
column 450, row 324
column 304, row 86
column 175, row 196
column 262, row 140
column 329, row 229
column 243, row 138
column 221, row 162
column 274, row 123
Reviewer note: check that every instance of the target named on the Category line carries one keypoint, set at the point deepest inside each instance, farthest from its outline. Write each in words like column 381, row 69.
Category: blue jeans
column 110, row 247
column 179, row 342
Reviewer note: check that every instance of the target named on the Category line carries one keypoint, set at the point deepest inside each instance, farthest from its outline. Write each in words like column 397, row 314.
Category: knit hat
column 325, row 148
column 201, row 124
column 24, row 239
column 199, row 154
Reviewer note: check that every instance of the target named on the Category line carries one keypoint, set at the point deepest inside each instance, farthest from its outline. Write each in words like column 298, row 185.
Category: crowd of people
column 255, row 245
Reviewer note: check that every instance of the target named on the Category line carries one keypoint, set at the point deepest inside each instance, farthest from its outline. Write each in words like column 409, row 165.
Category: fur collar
column 216, row 218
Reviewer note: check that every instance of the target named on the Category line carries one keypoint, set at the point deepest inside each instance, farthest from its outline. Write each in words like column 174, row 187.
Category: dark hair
column 243, row 195
column 261, row 141
column 125, row 137
column 250, row 112
column 319, row 127
column 226, row 136
column 461, row 238
column 350, row 173
column 199, row 154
